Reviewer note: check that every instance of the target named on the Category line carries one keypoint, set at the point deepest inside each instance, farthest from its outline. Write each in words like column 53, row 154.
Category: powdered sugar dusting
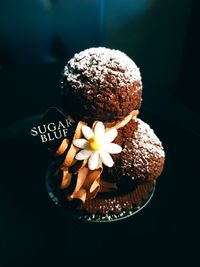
column 148, row 140
column 146, row 151
column 93, row 65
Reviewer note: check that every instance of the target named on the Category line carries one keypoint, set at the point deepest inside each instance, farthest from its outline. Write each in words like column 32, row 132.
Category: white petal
column 80, row 143
column 110, row 135
column 87, row 132
column 113, row 148
column 99, row 129
column 106, row 158
column 93, row 161
column 83, row 154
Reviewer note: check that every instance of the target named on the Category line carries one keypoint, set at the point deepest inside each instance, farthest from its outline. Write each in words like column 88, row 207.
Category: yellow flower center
column 94, row 144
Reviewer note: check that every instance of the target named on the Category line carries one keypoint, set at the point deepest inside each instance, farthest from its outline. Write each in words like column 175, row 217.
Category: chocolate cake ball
column 101, row 84
column 142, row 156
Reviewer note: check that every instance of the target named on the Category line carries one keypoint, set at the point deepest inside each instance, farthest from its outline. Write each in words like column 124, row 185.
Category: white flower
column 97, row 146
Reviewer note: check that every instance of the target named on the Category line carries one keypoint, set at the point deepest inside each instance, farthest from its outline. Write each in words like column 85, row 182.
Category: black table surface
column 34, row 232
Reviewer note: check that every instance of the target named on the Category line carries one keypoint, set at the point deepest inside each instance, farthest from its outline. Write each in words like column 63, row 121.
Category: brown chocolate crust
column 142, row 157
column 101, row 84
column 117, row 204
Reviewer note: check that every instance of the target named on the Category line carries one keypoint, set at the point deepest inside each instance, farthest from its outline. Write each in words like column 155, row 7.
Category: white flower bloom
column 97, row 146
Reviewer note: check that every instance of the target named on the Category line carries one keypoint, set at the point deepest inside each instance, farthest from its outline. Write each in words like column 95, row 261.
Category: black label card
column 53, row 128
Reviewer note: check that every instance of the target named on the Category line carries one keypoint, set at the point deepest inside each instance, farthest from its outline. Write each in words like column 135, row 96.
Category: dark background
column 36, row 40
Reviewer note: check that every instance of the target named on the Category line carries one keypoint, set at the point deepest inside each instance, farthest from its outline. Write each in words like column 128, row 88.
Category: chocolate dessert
column 110, row 164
